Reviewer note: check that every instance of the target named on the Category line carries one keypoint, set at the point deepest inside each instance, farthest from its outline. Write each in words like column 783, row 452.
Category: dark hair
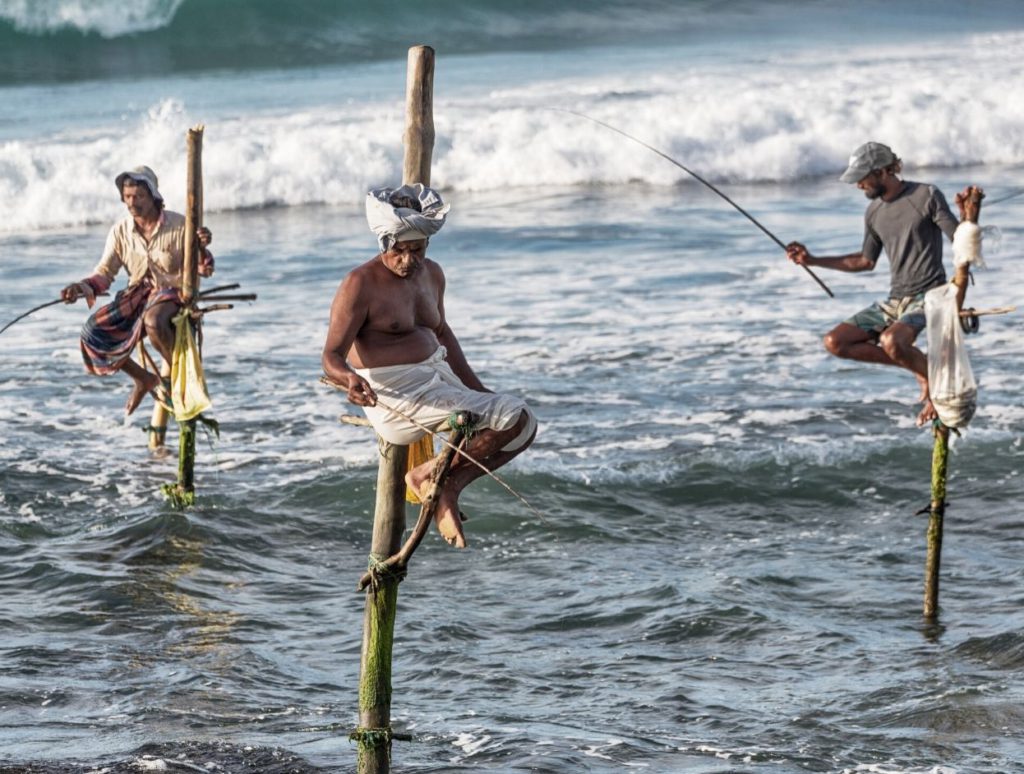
column 159, row 203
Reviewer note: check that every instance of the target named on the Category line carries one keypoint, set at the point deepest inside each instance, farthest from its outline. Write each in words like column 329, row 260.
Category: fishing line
column 461, row 452
column 700, row 179
column 1006, row 198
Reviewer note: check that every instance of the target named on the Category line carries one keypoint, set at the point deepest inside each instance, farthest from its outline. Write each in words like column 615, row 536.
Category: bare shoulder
column 434, row 271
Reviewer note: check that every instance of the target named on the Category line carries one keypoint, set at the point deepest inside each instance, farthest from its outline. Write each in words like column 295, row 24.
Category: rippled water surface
column 728, row 574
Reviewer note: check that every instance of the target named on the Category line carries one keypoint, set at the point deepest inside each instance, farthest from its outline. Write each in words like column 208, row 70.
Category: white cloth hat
column 404, row 214
column 141, row 174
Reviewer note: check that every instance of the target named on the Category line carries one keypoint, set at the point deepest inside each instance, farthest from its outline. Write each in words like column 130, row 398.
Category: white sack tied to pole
column 951, row 384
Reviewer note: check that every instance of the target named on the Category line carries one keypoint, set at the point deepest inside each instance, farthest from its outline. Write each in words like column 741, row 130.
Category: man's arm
column 851, row 262
column 102, row 276
column 348, row 315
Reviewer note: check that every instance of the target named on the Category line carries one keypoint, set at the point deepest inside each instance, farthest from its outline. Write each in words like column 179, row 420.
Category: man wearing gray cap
column 908, row 220
column 149, row 244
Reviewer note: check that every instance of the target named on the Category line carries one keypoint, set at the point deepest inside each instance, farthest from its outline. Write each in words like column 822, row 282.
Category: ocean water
column 728, row 576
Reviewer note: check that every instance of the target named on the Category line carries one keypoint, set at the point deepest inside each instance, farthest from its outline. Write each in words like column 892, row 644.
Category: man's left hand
column 969, row 203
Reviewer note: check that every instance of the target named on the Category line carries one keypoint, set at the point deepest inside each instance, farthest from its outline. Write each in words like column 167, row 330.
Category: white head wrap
column 393, row 220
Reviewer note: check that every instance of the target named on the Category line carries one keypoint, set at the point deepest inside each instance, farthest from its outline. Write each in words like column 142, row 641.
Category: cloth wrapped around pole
column 188, row 385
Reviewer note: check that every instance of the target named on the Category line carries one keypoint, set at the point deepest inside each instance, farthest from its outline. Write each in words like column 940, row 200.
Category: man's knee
column 831, row 342
column 527, row 425
column 896, row 343
column 836, row 344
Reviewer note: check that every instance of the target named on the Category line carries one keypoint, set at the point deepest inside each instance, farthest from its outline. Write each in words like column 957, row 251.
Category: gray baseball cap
column 867, row 158
column 141, row 174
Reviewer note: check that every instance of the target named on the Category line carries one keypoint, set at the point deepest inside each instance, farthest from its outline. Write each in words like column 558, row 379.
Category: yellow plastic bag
column 419, row 452
column 188, row 385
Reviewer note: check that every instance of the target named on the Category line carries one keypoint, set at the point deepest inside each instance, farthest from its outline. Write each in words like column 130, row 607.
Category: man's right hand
column 797, row 253
column 360, row 392
column 72, row 292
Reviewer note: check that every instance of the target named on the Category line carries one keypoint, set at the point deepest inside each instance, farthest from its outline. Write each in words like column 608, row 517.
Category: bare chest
column 405, row 306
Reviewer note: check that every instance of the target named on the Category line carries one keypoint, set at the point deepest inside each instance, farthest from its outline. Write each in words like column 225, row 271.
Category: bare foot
column 149, row 383
column 928, row 413
column 449, row 520
column 416, row 479
column 447, row 505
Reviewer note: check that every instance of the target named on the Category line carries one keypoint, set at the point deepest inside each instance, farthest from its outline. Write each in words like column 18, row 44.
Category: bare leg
column 159, row 327
column 486, row 447
column 144, row 382
column 895, row 348
column 898, row 343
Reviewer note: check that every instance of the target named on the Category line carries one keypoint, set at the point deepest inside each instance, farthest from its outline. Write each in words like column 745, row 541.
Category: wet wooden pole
column 158, row 422
column 186, row 489
column 374, row 734
column 940, row 457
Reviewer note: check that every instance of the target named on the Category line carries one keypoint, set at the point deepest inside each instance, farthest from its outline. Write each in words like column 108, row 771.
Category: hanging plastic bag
column 188, row 385
column 951, row 384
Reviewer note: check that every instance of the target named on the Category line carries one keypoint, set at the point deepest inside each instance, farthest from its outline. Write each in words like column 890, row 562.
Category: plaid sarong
column 111, row 333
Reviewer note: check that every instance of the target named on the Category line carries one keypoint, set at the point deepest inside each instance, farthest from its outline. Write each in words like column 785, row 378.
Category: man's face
column 405, row 258
column 138, row 199
column 871, row 184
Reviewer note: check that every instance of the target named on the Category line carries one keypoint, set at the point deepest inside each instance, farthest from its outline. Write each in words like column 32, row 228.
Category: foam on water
column 760, row 118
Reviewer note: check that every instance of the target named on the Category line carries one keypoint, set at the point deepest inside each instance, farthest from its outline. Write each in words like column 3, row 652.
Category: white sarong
column 429, row 392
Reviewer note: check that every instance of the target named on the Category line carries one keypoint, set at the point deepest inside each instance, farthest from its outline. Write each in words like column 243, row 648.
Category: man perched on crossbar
column 390, row 345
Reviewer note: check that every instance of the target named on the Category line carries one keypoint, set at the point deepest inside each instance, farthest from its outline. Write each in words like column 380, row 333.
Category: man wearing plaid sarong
column 149, row 244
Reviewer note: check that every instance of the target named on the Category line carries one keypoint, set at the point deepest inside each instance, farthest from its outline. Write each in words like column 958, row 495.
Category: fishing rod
column 36, row 309
column 461, row 452
column 700, row 179
column 30, row 311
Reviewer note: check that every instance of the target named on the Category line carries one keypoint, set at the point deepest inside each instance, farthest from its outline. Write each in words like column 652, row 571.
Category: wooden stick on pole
column 940, row 454
column 374, row 734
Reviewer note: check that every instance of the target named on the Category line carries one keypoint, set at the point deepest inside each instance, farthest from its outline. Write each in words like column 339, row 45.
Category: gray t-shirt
column 910, row 228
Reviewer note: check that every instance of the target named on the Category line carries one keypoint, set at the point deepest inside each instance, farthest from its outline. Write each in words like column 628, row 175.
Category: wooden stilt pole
column 158, row 422
column 936, row 512
column 185, row 493
column 940, row 455
column 374, row 733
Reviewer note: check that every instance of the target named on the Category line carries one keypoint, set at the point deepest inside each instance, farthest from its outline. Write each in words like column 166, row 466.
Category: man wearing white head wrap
column 404, row 214
column 388, row 337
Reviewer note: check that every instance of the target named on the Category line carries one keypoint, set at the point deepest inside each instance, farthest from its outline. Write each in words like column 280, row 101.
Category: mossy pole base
column 183, row 493
column 936, row 512
column 374, row 735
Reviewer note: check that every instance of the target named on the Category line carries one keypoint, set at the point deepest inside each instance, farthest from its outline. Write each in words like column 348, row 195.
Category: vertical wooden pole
column 158, row 422
column 189, row 288
column 419, row 116
column 940, row 460
column 940, row 453
column 374, row 733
